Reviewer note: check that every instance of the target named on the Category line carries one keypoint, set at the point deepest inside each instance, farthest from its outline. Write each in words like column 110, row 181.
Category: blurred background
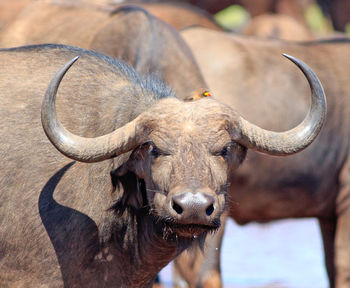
column 322, row 17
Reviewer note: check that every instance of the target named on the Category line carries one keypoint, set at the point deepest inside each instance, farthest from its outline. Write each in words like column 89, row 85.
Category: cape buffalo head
column 182, row 152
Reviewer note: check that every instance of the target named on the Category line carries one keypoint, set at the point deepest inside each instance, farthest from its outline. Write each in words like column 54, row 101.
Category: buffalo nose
column 189, row 205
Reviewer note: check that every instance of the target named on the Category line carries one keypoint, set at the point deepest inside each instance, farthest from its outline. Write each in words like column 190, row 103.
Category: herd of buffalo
column 164, row 125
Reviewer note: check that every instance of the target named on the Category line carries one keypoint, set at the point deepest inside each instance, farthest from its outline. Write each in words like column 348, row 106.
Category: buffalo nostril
column 209, row 210
column 177, row 208
column 193, row 205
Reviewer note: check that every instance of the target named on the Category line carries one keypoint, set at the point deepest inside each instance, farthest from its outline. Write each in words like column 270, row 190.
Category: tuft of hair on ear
column 132, row 198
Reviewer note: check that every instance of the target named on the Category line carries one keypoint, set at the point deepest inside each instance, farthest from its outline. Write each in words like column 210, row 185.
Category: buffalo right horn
column 296, row 139
column 84, row 149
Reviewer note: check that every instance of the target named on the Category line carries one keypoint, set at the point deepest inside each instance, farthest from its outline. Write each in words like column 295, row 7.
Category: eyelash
column 227, row 149
column 224, row 152
column 154, row 151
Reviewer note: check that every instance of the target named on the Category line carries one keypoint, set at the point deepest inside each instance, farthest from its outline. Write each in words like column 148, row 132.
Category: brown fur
column 130, row 34
column 310, row 184
column 180, row 16
column 9, row 9
column 338, row 11
column 278, row 27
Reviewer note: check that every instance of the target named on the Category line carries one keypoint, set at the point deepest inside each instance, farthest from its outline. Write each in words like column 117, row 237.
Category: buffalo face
column 182, row 169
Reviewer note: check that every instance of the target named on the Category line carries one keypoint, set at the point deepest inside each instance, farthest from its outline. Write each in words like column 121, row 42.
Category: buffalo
column 178, row 15
column 149, row 172
column 313, row 183
column 129, row 33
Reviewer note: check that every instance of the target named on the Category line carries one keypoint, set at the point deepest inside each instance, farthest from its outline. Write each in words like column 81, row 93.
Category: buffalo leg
column 328, row 235
column 201, row 269
column 342, row 235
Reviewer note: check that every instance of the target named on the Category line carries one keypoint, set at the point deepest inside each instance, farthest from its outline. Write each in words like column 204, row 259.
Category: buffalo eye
column 228, row 149
column 233, row 153
column 154, row 151
column 225, row 151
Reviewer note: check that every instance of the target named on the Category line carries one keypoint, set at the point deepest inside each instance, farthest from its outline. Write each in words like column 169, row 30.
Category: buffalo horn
column 296, row 139
column 80, row 148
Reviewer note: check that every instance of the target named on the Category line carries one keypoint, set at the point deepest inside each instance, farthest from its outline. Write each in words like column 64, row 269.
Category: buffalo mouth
column 190, row 230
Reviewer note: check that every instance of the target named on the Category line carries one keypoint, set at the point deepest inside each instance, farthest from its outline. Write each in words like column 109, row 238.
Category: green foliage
column 347, row 29
column 232, row 17
column 316, row 20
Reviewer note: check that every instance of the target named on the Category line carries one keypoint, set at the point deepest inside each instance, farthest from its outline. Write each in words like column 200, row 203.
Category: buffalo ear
column 132, row 197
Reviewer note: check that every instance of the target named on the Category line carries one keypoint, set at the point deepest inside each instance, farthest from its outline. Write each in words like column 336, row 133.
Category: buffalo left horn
column 84, row 149
column 296, row 139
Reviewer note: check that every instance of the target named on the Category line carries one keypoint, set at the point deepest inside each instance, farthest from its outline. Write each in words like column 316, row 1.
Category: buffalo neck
column 134, row 249
column 94, row 247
